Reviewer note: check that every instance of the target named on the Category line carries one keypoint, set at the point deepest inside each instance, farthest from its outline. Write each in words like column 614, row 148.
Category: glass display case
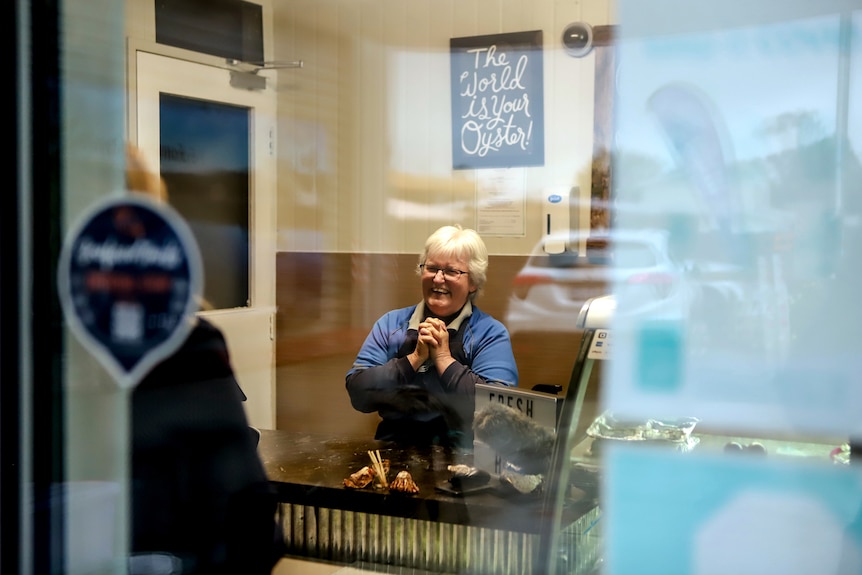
column 591, row 438
column 573, row 478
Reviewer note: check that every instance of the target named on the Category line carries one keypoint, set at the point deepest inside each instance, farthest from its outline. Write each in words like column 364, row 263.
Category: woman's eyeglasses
column 448, row 273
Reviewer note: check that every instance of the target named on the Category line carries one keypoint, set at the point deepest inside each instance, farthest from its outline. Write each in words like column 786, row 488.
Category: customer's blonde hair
column 139, row 178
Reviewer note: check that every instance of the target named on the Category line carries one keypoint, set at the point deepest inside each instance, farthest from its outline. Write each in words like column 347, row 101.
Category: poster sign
column 129, row 280
column 497, row 101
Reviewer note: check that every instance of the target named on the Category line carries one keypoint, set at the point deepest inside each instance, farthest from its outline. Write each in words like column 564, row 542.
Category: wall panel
column 374, row 100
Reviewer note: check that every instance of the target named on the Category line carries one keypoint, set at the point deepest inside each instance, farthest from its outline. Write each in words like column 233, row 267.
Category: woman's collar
column 419, row 315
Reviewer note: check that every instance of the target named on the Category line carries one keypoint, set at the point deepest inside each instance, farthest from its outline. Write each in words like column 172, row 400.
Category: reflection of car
column 549, row 291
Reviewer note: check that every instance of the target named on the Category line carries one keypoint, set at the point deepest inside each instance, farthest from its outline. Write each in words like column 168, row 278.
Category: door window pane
column 204, row 150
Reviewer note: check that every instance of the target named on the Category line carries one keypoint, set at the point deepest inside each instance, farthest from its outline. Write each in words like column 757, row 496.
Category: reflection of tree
column 600, row 192
column 795, row 128
column 804, row 170
column 640, row 170
column 814, row 177
column 807, row 229
column 811, row 180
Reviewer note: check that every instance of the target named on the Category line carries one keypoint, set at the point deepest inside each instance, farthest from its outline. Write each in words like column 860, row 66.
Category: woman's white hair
column 464, row 244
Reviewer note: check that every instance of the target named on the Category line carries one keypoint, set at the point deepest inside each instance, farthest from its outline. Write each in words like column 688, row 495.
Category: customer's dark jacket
column 199, row 490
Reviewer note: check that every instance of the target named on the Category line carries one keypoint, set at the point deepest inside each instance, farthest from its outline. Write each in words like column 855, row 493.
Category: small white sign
column 543, row 408
column 600, row 347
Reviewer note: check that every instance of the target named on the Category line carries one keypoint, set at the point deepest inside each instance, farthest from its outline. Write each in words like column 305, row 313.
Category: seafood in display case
column 403, row 483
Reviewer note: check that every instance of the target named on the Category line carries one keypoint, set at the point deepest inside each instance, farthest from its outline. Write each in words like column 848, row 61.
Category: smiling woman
column 419, row 366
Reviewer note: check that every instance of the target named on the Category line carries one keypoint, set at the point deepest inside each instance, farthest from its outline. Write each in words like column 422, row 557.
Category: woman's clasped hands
column 433, row 344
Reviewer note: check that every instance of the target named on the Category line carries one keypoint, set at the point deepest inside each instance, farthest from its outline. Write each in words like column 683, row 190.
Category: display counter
column 492, row 531
column 495, row 531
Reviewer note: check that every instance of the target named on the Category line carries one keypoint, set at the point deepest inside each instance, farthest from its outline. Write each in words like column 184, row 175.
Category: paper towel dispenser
column 558, row 219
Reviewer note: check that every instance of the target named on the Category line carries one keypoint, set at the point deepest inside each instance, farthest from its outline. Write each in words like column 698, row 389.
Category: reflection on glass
column 204, row 152
column 751, row 198
column 572, row 541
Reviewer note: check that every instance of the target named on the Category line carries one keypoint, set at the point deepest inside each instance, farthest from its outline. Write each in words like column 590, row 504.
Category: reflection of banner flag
column 692, row 129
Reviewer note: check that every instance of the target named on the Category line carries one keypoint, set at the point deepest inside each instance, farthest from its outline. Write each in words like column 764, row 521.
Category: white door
column 213, row 145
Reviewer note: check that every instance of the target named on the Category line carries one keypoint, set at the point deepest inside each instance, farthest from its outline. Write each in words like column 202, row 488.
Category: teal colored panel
column 668, row 513
column 659, row 356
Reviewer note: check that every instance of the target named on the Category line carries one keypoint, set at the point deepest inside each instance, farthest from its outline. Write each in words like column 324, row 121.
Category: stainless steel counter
column 493, row 532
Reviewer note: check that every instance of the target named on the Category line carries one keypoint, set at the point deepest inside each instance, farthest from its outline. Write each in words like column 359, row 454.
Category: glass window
column 704, row 166
column 204, row 154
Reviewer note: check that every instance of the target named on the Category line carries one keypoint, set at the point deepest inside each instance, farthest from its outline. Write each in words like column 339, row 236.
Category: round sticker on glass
column 129, row 282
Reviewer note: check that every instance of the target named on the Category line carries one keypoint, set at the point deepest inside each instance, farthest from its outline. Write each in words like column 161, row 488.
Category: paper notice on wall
column 500, row 201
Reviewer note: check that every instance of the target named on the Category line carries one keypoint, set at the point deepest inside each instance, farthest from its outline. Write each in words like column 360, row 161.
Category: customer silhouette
column 199, row 492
